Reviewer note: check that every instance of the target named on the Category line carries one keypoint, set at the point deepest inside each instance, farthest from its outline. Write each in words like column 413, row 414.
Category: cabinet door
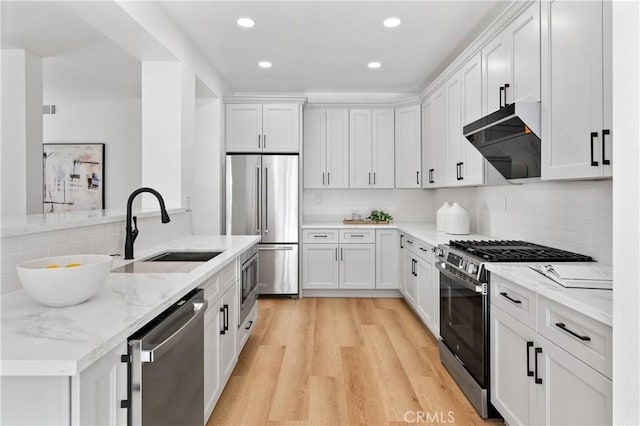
column 607, row 87
column 382, row 148
column 228, row 340
column 337, row 148
column 320, row 266
column 571, row 392
column 409, row 284
column 408, row 165
column 425, row 294
column 495, row 60
column 572, row 98
column 314, row 148
column 281, row 128
column 524, row 42
column 386, row 258
column 454, row 130
column 512, row 389
column 360, row 173
column 213, row 321
column 441, row 147
column 428, row 143
column 243, row 127
column 472, row 167
column 101, row 388
column 357, row 266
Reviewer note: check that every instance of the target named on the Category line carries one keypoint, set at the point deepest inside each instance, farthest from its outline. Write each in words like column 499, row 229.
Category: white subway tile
column 10, row 261
column 88, row 232
column 9, row 245
column 44, row 239
column 78, row 247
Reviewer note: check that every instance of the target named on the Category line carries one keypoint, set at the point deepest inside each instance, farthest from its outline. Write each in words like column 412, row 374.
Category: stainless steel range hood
column 510, row 139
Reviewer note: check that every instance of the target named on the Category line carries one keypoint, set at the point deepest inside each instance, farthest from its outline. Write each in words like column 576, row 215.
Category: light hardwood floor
column 340, row 361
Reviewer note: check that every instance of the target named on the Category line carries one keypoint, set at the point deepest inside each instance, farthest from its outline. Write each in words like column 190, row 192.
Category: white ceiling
column 320, row 46
column 78, row 61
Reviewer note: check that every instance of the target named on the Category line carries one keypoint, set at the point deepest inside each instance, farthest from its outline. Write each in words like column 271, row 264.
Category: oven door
column 464, row 322
column 249, row 281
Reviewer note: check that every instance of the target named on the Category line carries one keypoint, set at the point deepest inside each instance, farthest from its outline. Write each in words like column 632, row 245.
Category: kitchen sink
column 183, row 256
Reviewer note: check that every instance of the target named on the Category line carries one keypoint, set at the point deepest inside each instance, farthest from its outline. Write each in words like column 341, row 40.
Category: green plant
column 380, row 216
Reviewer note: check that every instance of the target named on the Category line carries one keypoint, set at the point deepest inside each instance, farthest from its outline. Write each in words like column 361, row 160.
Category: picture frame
column 73, row 177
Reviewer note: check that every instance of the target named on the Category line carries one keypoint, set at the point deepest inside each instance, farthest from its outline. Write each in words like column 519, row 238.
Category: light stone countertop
column 41, row 341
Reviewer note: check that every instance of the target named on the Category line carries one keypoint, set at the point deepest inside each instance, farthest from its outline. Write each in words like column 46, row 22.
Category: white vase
column 458, row 222
column 441, row 217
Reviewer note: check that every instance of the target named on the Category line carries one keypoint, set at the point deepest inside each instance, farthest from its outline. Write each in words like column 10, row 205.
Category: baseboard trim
column 352, row 293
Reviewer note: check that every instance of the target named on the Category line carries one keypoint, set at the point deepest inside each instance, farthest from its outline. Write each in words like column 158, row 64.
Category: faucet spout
column 132, row 232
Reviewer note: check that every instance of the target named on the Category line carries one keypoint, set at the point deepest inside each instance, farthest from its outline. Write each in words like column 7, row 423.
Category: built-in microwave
column 249, row 282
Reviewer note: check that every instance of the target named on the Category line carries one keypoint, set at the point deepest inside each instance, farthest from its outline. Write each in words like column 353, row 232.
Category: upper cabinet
column 576, row 90
column 371, row 148
column 408, row 150
column 511, row 62
column 265, row 128
column 326, row 148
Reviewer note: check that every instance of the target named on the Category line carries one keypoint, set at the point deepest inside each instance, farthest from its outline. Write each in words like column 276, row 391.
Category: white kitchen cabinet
column 357, row 266
column 229, row 313
column 269, row 128
column 101, row 388
column 408, row 156
column 511, row 62
column 454, row 130
column 213, row 326
column 371, row 148
column 472, row 163
column 438, row 172
column 428, row 142
column 427, row 295
column 326, row 148
column 320, row 267
column 410, row 281
column 386, row 258
column 576, row 89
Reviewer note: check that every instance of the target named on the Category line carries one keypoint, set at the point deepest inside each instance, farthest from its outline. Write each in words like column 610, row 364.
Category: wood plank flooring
column 339, row 361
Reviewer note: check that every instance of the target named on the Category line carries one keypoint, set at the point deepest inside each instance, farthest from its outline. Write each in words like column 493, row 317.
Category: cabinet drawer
column 425, row 251
column 362, row 236
column 409, row 243
column 318, row 236
column 516, row 300
column 585, row 338
column 215, row 286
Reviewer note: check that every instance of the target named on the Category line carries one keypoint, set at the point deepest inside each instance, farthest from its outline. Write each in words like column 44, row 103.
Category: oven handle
column 442, row 267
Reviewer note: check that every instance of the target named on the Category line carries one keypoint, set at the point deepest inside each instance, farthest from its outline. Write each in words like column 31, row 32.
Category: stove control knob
column 463, row 264
column 472, row 268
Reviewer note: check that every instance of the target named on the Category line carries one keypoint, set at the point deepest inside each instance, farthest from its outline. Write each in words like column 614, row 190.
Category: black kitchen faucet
column 132, row 233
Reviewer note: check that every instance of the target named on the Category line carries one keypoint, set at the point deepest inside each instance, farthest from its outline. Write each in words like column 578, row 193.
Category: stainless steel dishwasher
column 166, row 371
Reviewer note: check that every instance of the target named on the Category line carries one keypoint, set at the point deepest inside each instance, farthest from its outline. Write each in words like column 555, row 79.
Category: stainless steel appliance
column 262, row 199
column 166, row 371
column 464, row 306
column 510, row 139
column 249, row 282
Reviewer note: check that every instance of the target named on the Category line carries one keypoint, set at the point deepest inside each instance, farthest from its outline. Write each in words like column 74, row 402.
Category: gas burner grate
column 516, row 251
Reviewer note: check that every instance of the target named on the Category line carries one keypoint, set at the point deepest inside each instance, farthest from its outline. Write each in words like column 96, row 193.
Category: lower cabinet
column 535, row 381
column 357, row 266
column 427, row 295
column 410, row 280
column 386, row 258
column 320, row 267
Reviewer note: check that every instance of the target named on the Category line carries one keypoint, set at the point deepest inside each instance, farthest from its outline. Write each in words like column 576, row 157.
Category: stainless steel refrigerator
column 262, row 199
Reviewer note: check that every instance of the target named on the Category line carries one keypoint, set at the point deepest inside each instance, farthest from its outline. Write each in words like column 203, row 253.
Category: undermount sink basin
column 183, row 256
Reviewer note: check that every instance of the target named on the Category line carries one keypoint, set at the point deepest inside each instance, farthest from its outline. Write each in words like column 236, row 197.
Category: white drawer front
column 518, row 301
column 215, row 286
column 362, row 236
column 425, row 251
column 319, row 236
column 410, row 243
column 583, row 337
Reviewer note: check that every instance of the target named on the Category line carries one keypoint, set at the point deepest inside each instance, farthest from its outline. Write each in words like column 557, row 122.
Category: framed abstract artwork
column 73, row 177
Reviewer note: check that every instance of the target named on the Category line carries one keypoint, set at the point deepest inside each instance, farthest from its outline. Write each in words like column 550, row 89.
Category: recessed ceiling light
column 374, row 65
column 392, row 22
column 264, row 64
column 245, row 22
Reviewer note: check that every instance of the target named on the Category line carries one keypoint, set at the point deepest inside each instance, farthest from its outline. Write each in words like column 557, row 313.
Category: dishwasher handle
column 199, row 308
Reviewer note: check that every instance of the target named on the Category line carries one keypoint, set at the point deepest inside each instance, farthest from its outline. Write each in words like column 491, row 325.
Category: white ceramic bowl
column 64, row 286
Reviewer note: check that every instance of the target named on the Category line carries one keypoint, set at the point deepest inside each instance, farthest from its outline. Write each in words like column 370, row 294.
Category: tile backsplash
column 96, row 239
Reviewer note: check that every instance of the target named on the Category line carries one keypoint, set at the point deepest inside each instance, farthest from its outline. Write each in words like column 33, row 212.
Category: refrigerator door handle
column 266, row 200
column 258, row 199
column 286, row 248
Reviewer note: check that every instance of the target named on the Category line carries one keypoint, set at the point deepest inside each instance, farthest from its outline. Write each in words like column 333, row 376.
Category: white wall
column 115, row 122
column 626, row 217
column 21, row 133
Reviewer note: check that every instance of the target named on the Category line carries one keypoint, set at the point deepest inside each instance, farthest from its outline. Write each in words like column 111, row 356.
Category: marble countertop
column 12, row 226
column 597, row 304
column 42, row 341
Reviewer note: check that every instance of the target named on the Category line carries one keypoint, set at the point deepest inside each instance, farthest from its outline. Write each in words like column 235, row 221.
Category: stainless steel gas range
column 464, row 306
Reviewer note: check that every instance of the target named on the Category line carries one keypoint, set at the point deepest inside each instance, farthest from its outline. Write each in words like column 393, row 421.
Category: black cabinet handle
column 401, row 238
column 336, row 254
column 258, row 141
column 537, row 379
column 460, row 171
column 418, row 178
column 593, row 136
column 529, row 372
column 374, row 178
column 249, row 326
column 500, row 96
column 226, row 317
column 505, row 93
column 431, row 175
column 605, row 132
column 505, row 295
column 413, row 268
column 329, row 178
column 264, row 141
column 562, row 326
column 322, row 178
column 224, row 329
column 369, row 178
